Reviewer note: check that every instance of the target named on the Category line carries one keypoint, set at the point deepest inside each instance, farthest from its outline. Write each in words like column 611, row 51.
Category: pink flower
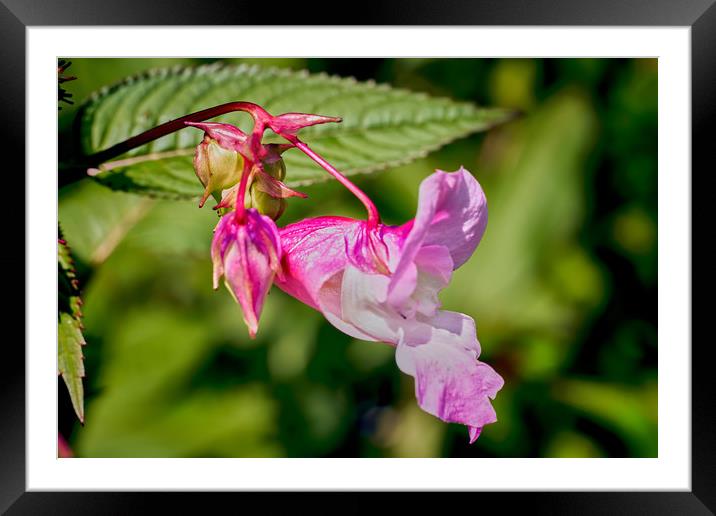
column 381, row 283
column 247, row 252
column 372, row 281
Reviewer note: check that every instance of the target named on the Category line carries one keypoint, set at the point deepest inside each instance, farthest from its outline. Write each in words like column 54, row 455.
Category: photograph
column 357, row 257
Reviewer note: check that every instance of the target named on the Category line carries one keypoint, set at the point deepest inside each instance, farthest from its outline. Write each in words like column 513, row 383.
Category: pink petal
column 475, row 432
column 314, row 251
column 452, row 212
column 367, row 250
column 460, row 216
column 450, row 383
column 416, row 290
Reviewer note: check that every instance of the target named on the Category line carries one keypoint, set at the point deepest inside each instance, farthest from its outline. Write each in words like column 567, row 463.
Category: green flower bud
column 264, row 203
column 275, row 166
column 266, row 192
column 216, row 167
column 257, row 196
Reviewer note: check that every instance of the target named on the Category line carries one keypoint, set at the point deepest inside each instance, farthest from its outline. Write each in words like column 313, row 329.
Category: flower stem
column 240, row 196
column 168, row 128
column 373, row 215
column 260, row 116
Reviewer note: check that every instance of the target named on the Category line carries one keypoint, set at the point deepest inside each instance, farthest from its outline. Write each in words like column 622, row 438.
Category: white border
column 670, row 471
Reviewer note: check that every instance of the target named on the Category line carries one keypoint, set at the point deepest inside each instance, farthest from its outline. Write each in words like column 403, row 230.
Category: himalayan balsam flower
column 371, row 281
column 380, row 283
column 247, row 254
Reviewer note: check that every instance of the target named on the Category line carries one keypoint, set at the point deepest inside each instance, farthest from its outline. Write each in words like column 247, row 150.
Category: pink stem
column 373, row 215
column 240, row 202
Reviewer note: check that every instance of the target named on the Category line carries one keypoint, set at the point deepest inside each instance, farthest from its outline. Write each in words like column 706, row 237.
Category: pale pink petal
column 363, row 308
column 452, row 212
column 404, row 278
column 460, row 217
column 362, row 305
column 331, row 306
column 475, row 432
column 418, row 288
column 450, row 383
column 402, row 286
column 459, row 324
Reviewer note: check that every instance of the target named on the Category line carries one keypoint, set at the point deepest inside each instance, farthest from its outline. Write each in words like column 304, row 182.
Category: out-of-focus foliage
column 563, row 288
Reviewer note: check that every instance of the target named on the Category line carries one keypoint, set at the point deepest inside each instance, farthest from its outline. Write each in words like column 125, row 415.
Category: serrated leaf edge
column 77, row 405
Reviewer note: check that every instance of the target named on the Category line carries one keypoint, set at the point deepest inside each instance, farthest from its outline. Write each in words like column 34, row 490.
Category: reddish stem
column 170, row 127
column 373, row 215
column 240, row 202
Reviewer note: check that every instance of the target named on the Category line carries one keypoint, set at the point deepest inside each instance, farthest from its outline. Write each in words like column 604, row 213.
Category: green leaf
column 69, row 330
column 96, row 220
column 382, row 126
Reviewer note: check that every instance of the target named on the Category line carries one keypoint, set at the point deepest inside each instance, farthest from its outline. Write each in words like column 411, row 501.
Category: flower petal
column 363, row 310
column 417, row 289
column 314, row 251
column 450, row 383
column 362, row 297
column 460, row 215
column 452, row 212
column 331, row 306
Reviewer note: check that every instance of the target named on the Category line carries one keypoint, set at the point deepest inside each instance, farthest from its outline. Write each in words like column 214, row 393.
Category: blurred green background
column 562, row 286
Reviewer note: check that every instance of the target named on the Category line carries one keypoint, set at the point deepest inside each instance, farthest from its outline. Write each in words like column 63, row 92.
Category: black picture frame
column 17, row 15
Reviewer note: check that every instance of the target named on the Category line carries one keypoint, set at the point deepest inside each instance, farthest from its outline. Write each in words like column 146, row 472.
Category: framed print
column 376, row 330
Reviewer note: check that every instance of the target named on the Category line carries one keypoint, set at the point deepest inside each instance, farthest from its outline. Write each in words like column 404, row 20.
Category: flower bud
column 264, row 203
column 247, row 253
column 274, row 164
column 260, row 195
column 216, row 167
column 266, row 192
